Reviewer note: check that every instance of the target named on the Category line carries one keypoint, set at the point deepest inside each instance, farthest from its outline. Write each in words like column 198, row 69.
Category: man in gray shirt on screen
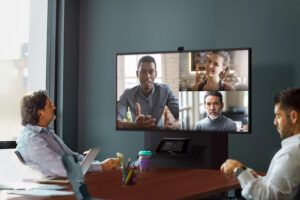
column 147, row 101
column 215, row 122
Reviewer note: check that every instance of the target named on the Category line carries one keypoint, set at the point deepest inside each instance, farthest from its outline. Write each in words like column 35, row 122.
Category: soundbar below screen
column 199, row 91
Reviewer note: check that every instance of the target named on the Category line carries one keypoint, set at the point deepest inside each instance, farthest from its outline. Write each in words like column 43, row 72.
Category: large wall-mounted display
column 190, row 91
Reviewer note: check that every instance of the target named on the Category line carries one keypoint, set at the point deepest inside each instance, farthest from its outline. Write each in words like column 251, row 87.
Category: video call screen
column 189, row 91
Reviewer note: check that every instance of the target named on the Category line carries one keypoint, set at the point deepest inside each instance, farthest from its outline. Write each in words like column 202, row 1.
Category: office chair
column 20, row 157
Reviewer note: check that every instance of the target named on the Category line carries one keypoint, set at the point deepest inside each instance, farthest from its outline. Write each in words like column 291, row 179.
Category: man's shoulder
column 133, row 89
column 229, row 124
column 130, row 91
column 30, row 130
column 201, row 122
column 29, row 133
column 227, row 120
column 161, row 85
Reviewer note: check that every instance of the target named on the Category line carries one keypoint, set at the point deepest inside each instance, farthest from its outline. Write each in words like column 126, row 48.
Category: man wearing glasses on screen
column 147, row 102
column 214, row 121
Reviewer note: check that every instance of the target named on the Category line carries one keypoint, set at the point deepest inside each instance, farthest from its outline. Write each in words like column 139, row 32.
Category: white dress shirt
column 42, row 149
column 282, row 177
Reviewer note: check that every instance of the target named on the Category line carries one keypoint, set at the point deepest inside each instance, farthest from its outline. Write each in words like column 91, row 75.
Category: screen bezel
column 187, row 51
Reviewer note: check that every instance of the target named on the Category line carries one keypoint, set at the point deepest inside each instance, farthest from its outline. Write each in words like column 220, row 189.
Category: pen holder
column 128, row 176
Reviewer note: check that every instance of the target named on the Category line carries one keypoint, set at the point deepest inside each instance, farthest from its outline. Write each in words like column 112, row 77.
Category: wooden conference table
column 158, row 183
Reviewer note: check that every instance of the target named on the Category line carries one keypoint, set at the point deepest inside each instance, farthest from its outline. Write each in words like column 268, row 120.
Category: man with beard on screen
column 215, row 122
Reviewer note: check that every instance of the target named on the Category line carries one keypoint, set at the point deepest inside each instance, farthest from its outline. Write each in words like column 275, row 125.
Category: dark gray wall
column 108, row 27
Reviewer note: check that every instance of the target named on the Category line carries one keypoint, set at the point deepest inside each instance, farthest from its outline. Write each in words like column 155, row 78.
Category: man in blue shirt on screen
column 283, row 175
column 215, row 122
column 147, row 101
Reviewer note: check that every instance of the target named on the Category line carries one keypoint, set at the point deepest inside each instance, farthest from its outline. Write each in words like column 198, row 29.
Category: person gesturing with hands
column 146, row 102
column 142, row 121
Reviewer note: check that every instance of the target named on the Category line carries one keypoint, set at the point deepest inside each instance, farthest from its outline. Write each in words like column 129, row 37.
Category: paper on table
column 38, row 192
column 50, row 187
column 28, row 186
column 48, row 179
column 53, row 180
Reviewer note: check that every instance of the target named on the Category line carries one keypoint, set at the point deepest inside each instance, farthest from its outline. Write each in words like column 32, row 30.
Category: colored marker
column 122, row 158
column 129, row 176
column 121, row 163
column 128, row 162
column 137, row 162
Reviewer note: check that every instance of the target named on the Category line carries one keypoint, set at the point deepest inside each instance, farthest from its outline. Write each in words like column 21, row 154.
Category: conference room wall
column 108, row 27
column 272, row 29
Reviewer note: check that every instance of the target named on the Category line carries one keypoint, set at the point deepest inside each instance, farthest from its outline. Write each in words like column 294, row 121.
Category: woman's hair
column 225, row 55
column 30, row 104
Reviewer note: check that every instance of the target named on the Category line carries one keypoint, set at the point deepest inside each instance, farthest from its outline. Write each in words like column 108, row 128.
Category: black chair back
column 20, row 157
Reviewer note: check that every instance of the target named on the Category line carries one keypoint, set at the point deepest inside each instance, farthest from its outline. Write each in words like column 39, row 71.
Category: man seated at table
column 215, row 121
column 147, row 101
column 38, row 144
column 283, row 175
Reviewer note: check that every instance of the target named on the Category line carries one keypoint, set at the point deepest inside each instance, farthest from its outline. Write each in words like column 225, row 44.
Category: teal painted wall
column 108, row 27
column 272, row 29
